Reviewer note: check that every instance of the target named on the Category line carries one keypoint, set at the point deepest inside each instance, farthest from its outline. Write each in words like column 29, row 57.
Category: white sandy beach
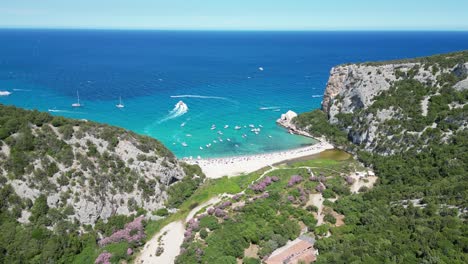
column 232, row 166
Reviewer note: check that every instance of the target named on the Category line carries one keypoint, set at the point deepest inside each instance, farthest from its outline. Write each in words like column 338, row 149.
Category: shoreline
column 237, row 165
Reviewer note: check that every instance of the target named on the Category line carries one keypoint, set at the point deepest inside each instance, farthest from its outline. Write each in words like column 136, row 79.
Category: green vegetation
column 417, row 212
column 72, row 160
column 316, row 122
column 447, row 60
column 268, row 214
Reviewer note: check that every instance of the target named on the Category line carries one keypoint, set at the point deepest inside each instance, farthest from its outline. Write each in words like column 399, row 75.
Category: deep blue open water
column 150, row 70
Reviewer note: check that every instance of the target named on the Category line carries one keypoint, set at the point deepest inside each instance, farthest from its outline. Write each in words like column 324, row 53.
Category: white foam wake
column 269, row 108
column 63, row 111
column 198, row 96
column 179, row 109
column 5, row 93
column 21, row 90
column 316, row 96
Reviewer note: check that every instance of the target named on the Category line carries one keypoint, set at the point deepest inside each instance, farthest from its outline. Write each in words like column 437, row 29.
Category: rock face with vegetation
column 366, row 100
column 86, row 171
column 408, row 120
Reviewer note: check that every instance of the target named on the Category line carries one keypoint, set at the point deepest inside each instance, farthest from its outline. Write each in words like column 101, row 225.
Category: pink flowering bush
column 129, row 251
column 210, row 210
column 349, row 180
column 219, row 212
column 275, row 178
column 237, row 197
column 320, row 188
column 193, row 224
column 132, row 232
column 188, row 234
column 265, row 182
column 103, row 258
column 295, row 179
column 225, row 204
column 313, row 178
column 290, row 198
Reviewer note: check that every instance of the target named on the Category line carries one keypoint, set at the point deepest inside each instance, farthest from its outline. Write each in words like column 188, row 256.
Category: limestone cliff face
column 352, row 89
column 86, row 170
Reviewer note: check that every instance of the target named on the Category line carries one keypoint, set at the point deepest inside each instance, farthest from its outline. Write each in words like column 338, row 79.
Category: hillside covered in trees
column 411, row 127
column 66, row 184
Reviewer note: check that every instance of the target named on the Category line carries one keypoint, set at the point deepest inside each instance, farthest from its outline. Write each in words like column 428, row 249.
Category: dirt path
column 172, row 237
column 170, row 242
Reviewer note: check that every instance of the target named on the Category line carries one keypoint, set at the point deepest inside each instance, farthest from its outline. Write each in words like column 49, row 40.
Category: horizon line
column 239, row 30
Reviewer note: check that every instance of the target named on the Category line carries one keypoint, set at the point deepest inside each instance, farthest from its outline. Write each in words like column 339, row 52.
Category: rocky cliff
column 386, row 106
column 87, row 171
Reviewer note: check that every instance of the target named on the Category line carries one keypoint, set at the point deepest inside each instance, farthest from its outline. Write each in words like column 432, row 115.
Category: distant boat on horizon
column 77, row 104
column 120, row 105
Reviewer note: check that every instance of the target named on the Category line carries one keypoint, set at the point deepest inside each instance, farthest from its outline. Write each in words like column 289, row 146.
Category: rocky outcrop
column 89, row 171
column 286, row 121
column 353, row 88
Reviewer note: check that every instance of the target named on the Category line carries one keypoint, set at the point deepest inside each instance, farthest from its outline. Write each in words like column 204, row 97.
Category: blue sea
column 225, row 79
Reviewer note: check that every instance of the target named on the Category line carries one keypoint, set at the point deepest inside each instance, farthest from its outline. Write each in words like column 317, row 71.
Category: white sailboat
column 77, row 104
column 120, row 105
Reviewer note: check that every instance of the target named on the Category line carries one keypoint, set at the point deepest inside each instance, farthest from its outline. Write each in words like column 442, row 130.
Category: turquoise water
column 153, row 70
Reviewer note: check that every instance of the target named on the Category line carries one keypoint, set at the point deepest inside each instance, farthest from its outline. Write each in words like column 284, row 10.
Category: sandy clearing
column 359, row 182
column 316, row 199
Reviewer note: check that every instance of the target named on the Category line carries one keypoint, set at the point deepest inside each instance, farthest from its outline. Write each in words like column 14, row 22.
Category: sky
column 236, row 14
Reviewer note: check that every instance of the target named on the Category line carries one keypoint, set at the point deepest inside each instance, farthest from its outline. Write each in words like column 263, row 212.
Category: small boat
column 5, row 93
column 228, row 139
column 236, row 145
column 226, row 126
column 188, row 135
column 77, row 104
column 260, row 68
column 213, row 127
column 220, row 133
column 183, row 124
column 220, row 139
column 184, row 144
column 252, row 126
column 237, row 127
column 208, row 145
column 269, row 136
column 214, row 141
column 260, row 126
column 201, row 148
column 120, row 105
column 256, row 133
